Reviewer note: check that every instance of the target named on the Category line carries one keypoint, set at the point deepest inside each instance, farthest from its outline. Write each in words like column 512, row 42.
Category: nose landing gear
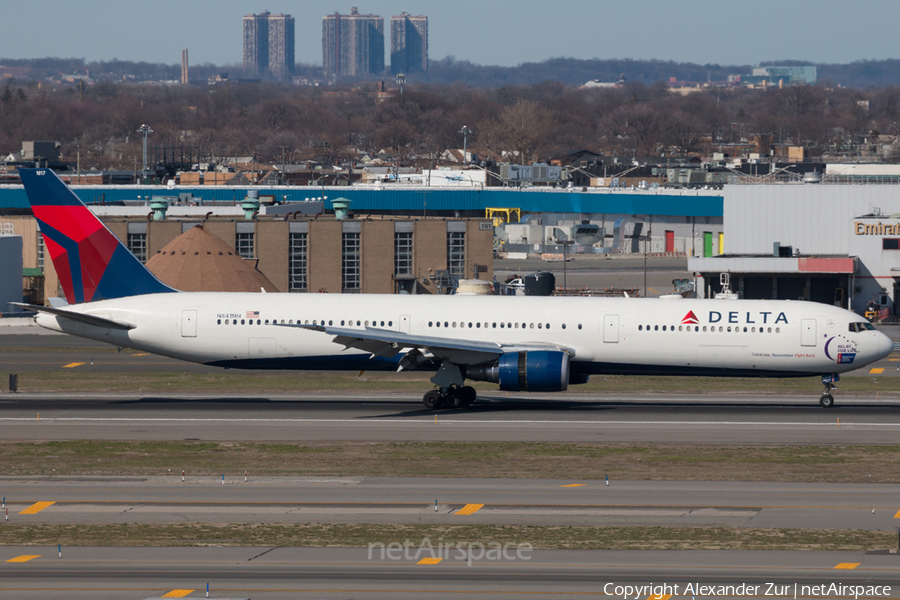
column 827, row 400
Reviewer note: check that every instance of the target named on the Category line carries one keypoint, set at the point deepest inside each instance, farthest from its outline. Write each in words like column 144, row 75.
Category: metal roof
column 686, row 203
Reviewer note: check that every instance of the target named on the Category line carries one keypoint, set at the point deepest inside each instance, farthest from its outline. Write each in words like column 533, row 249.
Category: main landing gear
column 827, row 400
column 452, row 397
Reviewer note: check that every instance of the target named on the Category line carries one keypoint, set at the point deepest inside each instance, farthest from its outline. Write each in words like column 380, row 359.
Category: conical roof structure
column 198, row 261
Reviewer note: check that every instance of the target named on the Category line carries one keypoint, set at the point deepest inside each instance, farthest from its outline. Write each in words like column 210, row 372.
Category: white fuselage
column 605, row 335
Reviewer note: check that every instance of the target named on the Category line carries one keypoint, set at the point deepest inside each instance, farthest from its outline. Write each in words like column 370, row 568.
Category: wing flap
column 385, row 342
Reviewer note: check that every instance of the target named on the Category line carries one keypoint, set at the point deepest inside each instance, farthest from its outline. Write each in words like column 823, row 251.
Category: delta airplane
column 541, row 344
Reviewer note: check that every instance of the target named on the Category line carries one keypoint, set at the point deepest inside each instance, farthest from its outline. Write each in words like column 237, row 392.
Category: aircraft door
column 404, row 323
column 808, row 332
column 189, row 323
column 611, row 329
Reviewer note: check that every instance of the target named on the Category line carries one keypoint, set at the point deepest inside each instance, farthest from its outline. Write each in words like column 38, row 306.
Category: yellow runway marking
column 847, row 566
column 469, row 509
column 897, row 516
column 142, row 354
column 572, row 485
column 876, row 371
column 429, row 561
column 660, row 597
column 652, row 290
column 70, row 365
column 24, row 558
column 36, row 508
column 177, row 594
column 893, row 359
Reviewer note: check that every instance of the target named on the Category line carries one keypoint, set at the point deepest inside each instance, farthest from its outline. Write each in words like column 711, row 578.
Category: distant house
column 456, row 155
column 576, row 158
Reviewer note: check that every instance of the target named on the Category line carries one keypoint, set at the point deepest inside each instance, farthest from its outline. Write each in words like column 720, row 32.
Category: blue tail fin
column 91, row 263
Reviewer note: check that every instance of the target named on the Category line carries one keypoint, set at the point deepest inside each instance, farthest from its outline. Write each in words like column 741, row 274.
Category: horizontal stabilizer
column 76, row 316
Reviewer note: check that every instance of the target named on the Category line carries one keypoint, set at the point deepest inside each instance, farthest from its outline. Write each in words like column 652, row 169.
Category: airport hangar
column 832, row 243
column 653, row 220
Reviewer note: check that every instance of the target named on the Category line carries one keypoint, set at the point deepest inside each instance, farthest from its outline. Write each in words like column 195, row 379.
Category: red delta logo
column 690, row 319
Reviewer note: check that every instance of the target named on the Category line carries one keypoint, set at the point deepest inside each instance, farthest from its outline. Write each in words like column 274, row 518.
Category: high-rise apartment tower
column 409, row 43
column 269, row 43
column 353, row 44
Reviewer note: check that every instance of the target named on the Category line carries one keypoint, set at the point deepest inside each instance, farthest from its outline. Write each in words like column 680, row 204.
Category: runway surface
column 263, row 573
column 709, row 418
column 105, row 500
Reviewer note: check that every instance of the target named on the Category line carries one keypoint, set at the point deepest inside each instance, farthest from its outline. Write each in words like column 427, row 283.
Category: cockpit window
column 855, row 327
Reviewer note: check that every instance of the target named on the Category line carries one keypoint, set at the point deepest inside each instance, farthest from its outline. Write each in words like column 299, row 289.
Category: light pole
column 401, row 79
column 566, row 244
column 465, row 131
column 145, row 129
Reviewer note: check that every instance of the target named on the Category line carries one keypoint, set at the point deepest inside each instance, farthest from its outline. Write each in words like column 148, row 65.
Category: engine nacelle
column 536, row 371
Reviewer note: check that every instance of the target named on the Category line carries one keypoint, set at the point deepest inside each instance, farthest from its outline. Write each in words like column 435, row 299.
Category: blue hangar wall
column 637, row 202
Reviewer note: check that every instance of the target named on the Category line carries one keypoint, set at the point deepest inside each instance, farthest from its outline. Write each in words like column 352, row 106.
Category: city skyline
column 497, row 33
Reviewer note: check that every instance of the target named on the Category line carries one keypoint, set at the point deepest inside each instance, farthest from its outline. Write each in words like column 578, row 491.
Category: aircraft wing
column 389, row 343
column 76, row 316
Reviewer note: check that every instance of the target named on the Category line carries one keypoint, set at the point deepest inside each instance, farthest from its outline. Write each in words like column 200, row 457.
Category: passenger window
column 564, row 326
column 656, row 328
column 778, row 330
column 218, row 321
column 579, row 326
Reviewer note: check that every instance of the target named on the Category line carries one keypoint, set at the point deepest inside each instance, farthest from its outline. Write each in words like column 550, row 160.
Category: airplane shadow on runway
column 493, row 405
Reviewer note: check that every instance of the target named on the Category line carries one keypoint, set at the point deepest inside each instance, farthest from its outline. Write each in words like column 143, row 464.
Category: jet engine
column 533, row 371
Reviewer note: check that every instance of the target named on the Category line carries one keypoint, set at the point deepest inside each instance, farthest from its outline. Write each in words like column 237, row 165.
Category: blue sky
column 496, row 32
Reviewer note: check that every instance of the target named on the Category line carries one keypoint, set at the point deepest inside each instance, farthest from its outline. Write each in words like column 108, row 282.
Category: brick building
column 360, row 255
